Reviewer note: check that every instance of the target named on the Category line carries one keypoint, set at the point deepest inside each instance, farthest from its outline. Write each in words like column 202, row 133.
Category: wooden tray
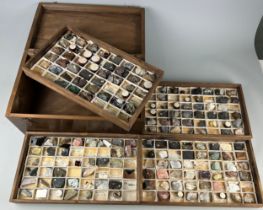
column 239, row 151
column 33, row 106
column 178, row 96
column 97, row 92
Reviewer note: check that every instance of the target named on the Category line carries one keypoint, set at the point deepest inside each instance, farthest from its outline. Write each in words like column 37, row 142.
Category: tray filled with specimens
column 197, row 108
column 92, row 73
column 135, row 169
column 33, row 106
column 91, row 169
column 198, row 172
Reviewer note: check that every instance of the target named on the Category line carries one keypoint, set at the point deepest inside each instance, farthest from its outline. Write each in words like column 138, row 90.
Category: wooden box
column 33, row 106
column 198, row 109
column 137, row 169
column 96, row 75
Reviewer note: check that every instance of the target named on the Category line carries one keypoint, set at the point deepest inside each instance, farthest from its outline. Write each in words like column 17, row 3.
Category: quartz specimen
column 177, row 185
column 230, row 166
column 233, row 187
column 175, row 164
column 41, row 193
column 189, row 175
column 73, row 183
column 191, row 196
column 188, row 164
column 163, row 154
column 101, row 184
column 56, row 194
column 190, row 186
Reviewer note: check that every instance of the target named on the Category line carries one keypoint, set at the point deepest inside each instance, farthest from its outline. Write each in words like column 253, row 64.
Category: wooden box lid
column 120, row 26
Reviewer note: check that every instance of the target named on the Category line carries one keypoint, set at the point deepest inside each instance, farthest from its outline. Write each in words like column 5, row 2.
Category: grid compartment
column 137, row 170
column 74, row 168
column 103, row 79
column 194, row 110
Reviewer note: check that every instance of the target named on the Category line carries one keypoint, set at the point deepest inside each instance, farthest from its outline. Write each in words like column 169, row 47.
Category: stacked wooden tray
column 33, row 106
column 136, row 169
column 197, row 109
column 188, row 143
column 95, row 75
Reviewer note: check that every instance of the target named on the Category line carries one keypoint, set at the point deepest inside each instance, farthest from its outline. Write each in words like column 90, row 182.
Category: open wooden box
column 172, row 100
column 96, row 75
column 36, row 108
column 135, row 169
column 33, row 106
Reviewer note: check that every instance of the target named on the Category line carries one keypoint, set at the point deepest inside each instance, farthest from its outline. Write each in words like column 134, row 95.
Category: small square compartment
column 41, row 194
column 56, row 194
column 101, row 195
column 86, row 195
column 129, row 195
column 32, row 161
column 44, row 183
column 74, row 172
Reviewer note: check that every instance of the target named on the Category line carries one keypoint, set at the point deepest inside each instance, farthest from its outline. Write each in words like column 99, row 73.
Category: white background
column 192, row 40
